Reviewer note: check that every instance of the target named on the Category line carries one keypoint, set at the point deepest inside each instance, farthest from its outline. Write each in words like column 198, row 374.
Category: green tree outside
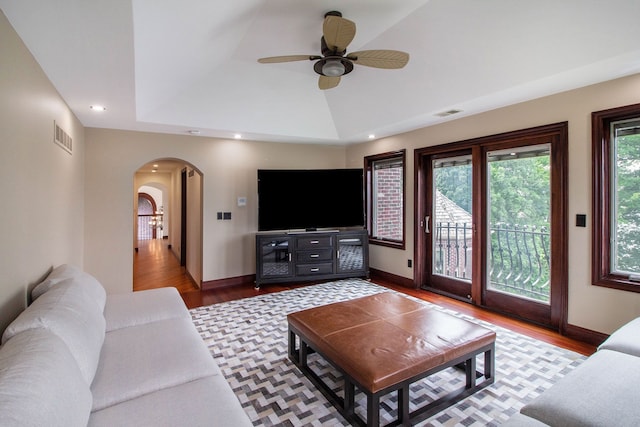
column 627, row 185
column 519, row 217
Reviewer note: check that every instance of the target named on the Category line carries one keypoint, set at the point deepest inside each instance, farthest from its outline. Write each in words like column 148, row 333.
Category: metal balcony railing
column 149, row 226
column 519, row 257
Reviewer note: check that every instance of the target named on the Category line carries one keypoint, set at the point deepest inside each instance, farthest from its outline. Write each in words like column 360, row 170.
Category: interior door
column 183, row 218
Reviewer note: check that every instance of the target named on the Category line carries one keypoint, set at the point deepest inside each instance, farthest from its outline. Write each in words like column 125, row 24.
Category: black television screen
column 310, row 199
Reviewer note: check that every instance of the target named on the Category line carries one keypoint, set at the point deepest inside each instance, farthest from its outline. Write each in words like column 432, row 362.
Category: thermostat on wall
column 242, row 201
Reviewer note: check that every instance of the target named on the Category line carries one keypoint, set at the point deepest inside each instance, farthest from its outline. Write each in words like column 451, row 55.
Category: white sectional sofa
column 78, row 357
column 602, row 391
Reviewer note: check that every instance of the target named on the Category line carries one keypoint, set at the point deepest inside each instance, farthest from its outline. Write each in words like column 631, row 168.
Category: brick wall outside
column 388, row 204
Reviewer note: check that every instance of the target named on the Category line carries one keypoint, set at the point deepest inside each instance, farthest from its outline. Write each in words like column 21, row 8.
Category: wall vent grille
column 62, row 139
column 448, row 113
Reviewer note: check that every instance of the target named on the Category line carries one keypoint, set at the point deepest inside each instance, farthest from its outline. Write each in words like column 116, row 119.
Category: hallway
column 155, row 266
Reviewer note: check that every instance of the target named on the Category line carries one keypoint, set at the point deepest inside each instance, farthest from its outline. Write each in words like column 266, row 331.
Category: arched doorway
column 150, row 218
column 175, row 187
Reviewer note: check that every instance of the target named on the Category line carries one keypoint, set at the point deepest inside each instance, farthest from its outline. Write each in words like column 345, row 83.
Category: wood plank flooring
column 155, row 266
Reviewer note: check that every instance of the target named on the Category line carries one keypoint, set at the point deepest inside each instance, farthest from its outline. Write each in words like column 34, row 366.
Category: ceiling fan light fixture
column 333, row 68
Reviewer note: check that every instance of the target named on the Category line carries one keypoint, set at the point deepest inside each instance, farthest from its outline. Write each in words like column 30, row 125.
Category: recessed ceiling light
column 237, row 136
column 154, row 171
column 194, row 132
column 98, row 107
column 155, row 166
column 372, row 136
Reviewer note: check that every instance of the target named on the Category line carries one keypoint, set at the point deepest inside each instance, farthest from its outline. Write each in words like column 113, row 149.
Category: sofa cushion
column 602, row 391
column 626, row 339
column 88, row 283
column 521, row 420
column 206, row 402
column 57, row 275
column 147, row 358
column 40, row 383
column 71, row 315
column 139, row 308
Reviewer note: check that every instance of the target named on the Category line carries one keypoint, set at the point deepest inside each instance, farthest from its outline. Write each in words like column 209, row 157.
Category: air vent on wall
column 448, row 113
column 62, row 138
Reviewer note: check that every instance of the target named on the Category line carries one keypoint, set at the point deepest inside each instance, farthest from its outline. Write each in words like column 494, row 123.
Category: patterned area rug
column 248, row 339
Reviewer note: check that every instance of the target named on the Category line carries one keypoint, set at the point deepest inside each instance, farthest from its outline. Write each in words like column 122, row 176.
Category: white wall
column 41, row 185
column 591, row 307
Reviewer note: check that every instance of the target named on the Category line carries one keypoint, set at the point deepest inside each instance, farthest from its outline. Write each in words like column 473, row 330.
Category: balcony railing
column 149, row 226
column 519, row 257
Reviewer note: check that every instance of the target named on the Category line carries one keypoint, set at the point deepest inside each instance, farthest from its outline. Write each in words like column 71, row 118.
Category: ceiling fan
column 334, row 62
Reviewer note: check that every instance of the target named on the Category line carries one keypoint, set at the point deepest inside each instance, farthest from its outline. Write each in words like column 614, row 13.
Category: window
column 616, row 198
column 385, row 198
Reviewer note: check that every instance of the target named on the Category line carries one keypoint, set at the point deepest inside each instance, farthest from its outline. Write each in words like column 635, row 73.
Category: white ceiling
column 172, row 66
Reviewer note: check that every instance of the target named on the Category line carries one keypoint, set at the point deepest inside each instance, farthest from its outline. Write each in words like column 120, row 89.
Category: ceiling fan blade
column 325, row 82
column 388, row 59
column 338, row 32
column 287, row 58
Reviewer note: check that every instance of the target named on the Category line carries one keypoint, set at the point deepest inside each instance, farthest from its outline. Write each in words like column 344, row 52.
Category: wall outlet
column 226, row 215
column 409, row 263
column 581, row 220
column 219, row 215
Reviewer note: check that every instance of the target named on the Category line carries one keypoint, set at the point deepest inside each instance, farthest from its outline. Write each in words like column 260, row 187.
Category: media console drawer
column 311, row 242
column 313, row 269
column 314, row 256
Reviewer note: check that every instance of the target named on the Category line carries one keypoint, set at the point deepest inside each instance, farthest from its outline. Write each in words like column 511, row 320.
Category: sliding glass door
column 492, row 222
column 519, row 222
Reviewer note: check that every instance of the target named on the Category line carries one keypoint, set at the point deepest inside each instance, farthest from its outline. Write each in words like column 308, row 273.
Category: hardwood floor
column 155, row 266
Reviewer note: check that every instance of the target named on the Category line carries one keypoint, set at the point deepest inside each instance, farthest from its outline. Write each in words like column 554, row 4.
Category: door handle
column 426, row 224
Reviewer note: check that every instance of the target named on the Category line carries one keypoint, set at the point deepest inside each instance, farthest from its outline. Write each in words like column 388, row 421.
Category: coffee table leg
column 303, row 353
column 292, row 345
column 470, row 369
column 373, row 410
column 403, row 404
column 489, row 365
column 349, row 396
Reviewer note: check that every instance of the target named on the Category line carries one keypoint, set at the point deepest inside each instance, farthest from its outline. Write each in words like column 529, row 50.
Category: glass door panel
column 351, row 256
column 518, row 217
column 275, row 255
column 451, row 232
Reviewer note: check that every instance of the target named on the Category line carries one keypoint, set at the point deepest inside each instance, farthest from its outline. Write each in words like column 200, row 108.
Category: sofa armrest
column 602, row 391
column 626, row 339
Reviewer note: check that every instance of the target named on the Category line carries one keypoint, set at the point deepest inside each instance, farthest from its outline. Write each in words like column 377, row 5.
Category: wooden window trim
column 368, row 168
column 601, row 222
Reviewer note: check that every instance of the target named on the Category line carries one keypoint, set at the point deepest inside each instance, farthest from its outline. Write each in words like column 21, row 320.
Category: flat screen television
column 311, row 199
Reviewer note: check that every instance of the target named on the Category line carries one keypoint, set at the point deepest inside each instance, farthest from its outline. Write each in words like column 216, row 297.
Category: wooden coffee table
column 384, row 343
